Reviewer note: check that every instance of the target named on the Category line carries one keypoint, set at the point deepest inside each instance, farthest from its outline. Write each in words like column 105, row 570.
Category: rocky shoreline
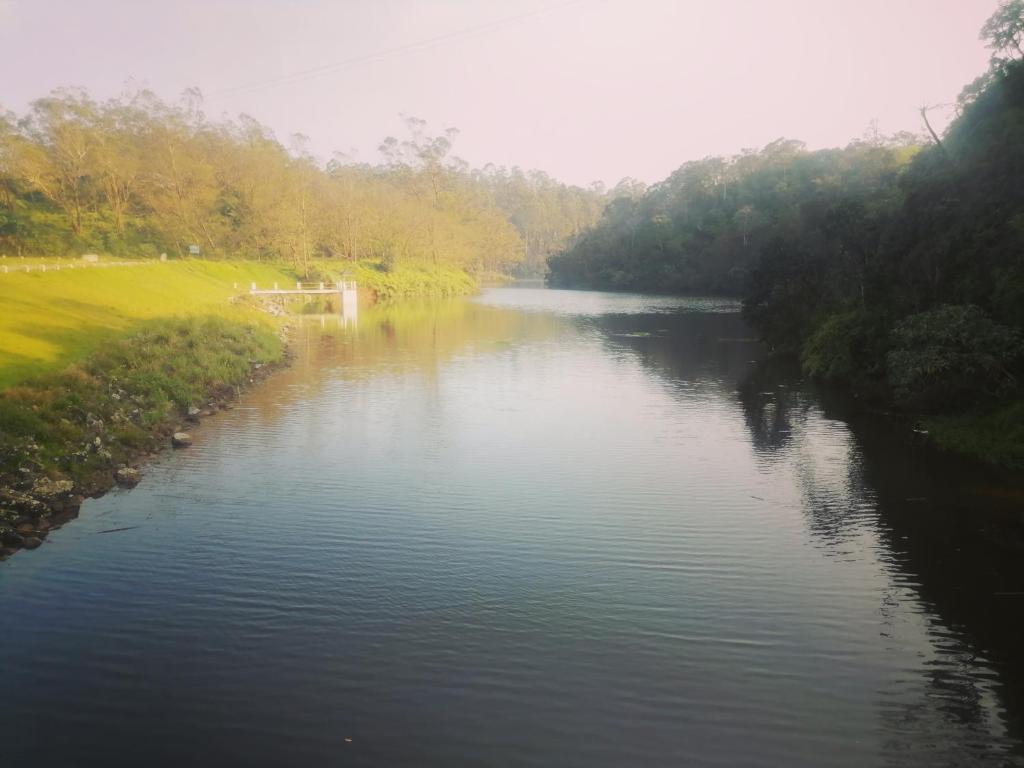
column 35, row 500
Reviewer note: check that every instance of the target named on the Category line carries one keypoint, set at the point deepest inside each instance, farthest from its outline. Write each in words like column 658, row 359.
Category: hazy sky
column 586, row 90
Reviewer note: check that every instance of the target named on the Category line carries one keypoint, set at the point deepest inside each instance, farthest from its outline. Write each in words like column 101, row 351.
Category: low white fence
column 342, row 286
column 7, row 266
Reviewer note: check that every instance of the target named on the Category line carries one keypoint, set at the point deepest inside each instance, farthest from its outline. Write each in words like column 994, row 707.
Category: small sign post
column 194, row 250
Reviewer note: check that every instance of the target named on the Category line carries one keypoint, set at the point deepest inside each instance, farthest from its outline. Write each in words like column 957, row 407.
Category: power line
column 377, row 55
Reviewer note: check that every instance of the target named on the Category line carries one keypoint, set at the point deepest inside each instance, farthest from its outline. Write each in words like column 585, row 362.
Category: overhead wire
column 338, row 66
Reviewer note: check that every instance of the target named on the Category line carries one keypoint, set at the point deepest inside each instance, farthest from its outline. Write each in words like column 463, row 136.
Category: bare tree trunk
column 928, row 125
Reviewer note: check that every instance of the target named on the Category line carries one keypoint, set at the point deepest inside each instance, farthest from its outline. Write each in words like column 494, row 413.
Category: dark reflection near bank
column 950, row 537
column 713, row 350
column 946, row 532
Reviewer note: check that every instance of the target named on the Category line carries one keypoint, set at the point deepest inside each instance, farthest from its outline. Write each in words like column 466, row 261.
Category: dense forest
column 894, row 266
column 135, row 176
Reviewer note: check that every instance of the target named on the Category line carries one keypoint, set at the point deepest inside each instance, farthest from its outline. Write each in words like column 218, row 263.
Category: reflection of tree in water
column 954, row 719
column 861, row 489
column 879, row 493
column 788, row 429
column 420, row 337
column 768, row 409
column 709, row 350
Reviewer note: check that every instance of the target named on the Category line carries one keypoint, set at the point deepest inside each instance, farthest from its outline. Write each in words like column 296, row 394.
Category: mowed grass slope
column 51, row 319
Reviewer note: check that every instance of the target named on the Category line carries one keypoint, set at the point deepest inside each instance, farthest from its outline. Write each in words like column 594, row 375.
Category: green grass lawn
column 51, row 319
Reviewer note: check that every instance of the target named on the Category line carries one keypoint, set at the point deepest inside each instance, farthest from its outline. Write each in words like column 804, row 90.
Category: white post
column 275, row 286
column 44, row 267
column 254, row 286
column 321, row 286
column 298, row 286
column 349, row 302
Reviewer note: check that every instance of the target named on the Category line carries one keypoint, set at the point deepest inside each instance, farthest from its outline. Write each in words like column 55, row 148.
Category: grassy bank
column 401, row 281
column 98, row 367
column 72, row 433
column 52, row 319
column 114, row 402
column 994, row 437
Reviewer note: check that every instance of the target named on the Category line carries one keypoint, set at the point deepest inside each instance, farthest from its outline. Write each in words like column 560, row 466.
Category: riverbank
column 991, row 437
column 403, row 281
column 994, row 437
column 101, row 369
column 76, row 433
column 54, row 319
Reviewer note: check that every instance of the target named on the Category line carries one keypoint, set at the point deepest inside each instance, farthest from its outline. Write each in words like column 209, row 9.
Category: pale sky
column 585, row 90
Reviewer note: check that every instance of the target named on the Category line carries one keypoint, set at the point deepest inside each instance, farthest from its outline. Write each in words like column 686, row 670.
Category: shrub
column 848, row 347
column 952, row 357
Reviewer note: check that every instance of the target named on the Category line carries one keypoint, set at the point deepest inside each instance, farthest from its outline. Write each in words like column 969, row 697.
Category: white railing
column 342, row 286
column 13, row 268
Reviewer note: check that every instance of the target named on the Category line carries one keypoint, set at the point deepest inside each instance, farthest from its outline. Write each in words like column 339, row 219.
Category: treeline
column 705, row 228
column 894, row 266
column 547, row 214
column 136, row 176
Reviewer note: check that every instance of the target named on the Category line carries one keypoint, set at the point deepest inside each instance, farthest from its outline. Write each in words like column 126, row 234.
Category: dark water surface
column 535, row 528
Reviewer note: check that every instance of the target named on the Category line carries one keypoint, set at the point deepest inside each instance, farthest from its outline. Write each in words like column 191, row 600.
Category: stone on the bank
column 193, row 414
column 11, row 538
column 45, row 488
column 26, row 529
column 181, row 440
column 128, row 477
column 32, row 543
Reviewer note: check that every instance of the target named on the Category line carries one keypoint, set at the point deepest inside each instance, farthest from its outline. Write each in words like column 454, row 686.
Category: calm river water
column 533, row 528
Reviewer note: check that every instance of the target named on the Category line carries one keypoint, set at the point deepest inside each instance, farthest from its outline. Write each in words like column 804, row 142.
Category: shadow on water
column 951, row 531
column 712, row 349
column 950, row 535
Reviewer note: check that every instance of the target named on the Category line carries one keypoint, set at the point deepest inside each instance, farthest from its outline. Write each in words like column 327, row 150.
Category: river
column 529, row 528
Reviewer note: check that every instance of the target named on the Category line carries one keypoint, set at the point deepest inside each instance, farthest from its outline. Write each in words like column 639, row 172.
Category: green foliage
column 1004, row 32
column 952, row 357
column 709, row 226
column 415, row 280
column 847, row 347
column 547, row 215
column 389, row 281
column 994, row 437
column 136, row 176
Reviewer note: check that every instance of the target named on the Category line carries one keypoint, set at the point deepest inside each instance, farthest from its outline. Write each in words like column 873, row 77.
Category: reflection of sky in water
column 594, row 303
